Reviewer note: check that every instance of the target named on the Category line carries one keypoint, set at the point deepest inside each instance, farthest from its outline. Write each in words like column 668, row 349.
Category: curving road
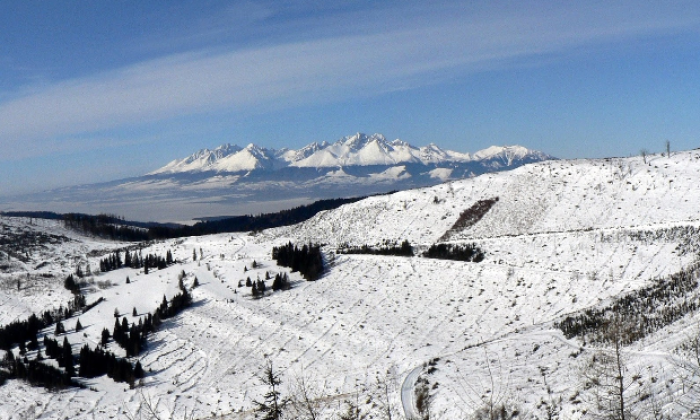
column 407, row 394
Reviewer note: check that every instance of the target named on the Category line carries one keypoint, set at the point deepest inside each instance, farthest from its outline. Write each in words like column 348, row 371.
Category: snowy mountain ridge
column 234, row 180
column 356, row 150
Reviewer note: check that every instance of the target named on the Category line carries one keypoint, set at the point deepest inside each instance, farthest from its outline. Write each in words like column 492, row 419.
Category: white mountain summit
column 231, row 180
column 357, row 150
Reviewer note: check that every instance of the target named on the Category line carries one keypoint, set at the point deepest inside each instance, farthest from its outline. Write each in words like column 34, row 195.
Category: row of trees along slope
column 116, row 228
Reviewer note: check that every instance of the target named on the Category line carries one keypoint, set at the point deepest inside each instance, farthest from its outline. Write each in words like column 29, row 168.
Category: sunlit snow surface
column 559, row 239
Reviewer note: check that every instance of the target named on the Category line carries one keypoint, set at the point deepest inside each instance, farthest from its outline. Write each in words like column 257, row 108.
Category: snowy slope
column 563, row 236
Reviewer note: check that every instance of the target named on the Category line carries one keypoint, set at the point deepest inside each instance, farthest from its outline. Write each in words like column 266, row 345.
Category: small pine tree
column 60, row 329
column 67, row 358
column 194, row 255
column 78, row 325
column 105, row 336
column 134, row 313
column 138, row 370
column 128, row 280
column 273, row 405
column 195, row 283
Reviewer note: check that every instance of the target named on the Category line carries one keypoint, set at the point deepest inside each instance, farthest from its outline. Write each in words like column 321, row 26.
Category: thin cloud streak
column 315, row 71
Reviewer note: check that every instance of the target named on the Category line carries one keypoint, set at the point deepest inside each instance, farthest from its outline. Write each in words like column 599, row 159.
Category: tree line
column 117, row 228
column 403, row 250
column 135, row 260
column 650, row 309
column 456, row 252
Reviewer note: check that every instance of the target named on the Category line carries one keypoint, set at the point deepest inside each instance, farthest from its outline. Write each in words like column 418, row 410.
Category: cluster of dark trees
column 250, row 222
column 281, row 282
column 307, row 260
column 36, row 373
column 99, row 362
column 135, row 260
column 61, row 353
column 467, row 252
column 116, row 228
column 132, row 339
column 20, row 332
column 649, row 309
column 258, row 289
column 72, row 285
column 403, row 250
column 105, row 226
column 470, row 216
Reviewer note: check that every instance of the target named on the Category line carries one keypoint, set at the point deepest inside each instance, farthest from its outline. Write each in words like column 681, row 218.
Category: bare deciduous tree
column 386, row 385
column 307, row 401
column 148, row 410
column 644, row 153
column 607, row 377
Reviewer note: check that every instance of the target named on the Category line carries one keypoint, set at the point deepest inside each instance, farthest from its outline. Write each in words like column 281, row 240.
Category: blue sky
column 94, row 91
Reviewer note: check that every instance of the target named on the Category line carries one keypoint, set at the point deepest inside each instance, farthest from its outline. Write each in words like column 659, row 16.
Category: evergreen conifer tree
column 105, row 336
column 272, row 407
column 138, row 370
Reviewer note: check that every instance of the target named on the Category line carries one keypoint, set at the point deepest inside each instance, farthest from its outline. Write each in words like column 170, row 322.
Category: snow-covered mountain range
column 231, row 180
column 357, row 150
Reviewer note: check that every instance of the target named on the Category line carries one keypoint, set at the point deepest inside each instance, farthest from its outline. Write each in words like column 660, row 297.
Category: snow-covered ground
column 563, row 236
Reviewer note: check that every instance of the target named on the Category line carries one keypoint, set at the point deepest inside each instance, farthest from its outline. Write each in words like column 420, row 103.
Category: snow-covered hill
column 559, row 237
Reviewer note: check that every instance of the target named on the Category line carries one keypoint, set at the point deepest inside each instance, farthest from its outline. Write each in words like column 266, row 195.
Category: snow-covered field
column 563, row 236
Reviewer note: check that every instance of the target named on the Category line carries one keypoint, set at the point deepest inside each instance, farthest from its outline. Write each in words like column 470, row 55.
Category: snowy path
column 408, row 394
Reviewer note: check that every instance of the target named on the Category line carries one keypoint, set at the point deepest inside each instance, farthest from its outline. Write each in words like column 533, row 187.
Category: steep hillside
column 559, row 238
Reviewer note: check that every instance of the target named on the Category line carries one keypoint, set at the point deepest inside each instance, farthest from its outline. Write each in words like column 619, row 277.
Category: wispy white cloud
column 419, row 49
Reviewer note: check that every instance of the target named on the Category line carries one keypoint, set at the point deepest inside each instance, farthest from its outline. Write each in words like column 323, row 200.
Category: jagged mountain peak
column 359, row 149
